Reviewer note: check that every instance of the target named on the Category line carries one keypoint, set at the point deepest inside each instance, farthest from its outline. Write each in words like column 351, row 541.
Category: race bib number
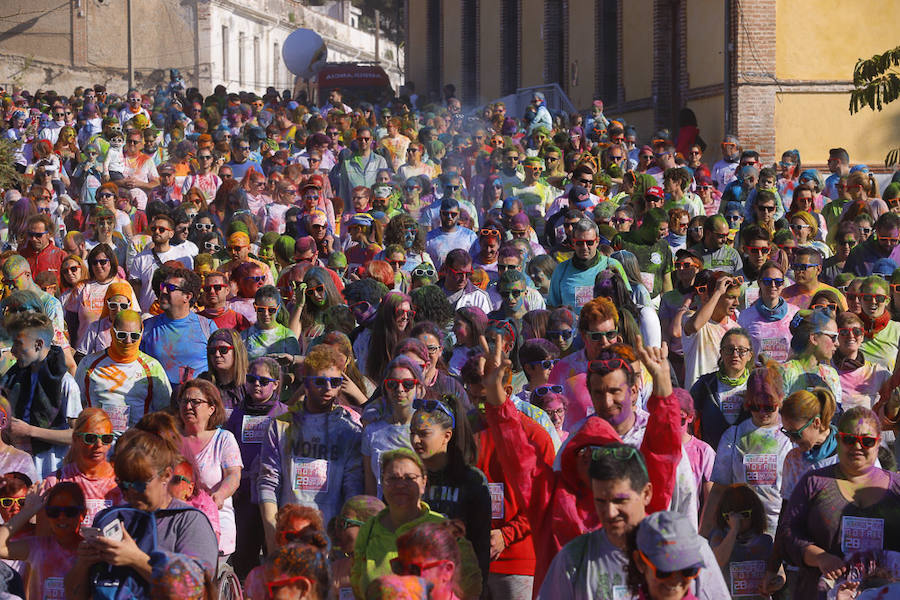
column 583, row 295
column 751, row 295
column 859, row 534
column 731, row 407
column 118, row 415
column 253, row 429
column 747, row 577
column 620, row 592
column 761, row 469
column 310, row 475
column 496, row 490
column 94, row 506
column 54, row 589
column 776, row 348
column 647, row 279
column 345, row 593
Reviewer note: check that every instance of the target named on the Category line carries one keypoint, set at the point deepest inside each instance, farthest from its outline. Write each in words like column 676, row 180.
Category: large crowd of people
column 406, row 351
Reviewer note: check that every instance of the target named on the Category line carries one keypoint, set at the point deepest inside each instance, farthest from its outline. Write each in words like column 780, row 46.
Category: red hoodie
column 558, row 505
column 509, row 516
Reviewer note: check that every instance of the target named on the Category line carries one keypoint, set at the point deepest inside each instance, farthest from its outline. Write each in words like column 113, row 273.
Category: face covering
column 123, row 352
column 823, row 450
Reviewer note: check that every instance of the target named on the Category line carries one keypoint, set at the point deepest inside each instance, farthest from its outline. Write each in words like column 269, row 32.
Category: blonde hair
column 89, row 417
column 804, row 405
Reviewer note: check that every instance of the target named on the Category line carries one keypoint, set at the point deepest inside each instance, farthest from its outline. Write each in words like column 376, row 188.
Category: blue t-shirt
column 179, row 345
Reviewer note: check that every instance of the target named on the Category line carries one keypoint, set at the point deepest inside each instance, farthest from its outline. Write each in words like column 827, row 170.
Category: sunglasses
column 763, row 408
column 170, row 287
column 37, row 234
column 851, row 243
column 544, row 364
column 490, row 233
column 325, row 382
column 263, row 381
column 560, row 333
column 220, row 350
column 214, row 287
column 269, row 310
column 543, row 390
column 865, row 441
column 159, row 229
column 92, row 438
column 126, row 336
column 256, row 278
column 212, row 247
column 176, row 479
column 686, row 264
column 54, row 512
column 424, row 272
column 399, row 567
column 7, row 502
column 204, row 226
column 609, row 365
column 585, row 243
column 118, row 305
column 762, row 250
column 462, row 272
column 795, row 434
column 744, row 514
column 832, row 306
column 877, row 298
column 599, row 336
column 509, row 293
column 394, row 384
column 802, row 266
column 99, row 261
column 275, row 586
column 397, row 263
column 435, row 405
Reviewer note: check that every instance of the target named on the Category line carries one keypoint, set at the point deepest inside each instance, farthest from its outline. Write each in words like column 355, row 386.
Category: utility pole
column 130, row 48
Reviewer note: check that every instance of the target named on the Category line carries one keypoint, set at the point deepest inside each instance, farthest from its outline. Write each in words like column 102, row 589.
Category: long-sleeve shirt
column 311, row 459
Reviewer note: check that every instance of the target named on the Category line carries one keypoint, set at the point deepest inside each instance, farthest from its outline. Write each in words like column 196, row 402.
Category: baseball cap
column 884, row 267
column 656, row 192
column 579, row 195
column 669, row 541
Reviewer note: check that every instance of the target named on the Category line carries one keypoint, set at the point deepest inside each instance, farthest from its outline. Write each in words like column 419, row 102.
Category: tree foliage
column 876, row 82
column 9, row 176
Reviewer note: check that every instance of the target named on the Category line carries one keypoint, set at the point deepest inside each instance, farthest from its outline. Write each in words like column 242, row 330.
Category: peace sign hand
column 495, row 367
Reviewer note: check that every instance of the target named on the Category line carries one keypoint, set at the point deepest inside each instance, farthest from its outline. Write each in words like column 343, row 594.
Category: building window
column 470, row 68
column 225, row 50
column 241, row 38
column 607, row 51
column 257, row 65
column 276, row 65
column 555, row 41
column 509, row 46
column 433, row 49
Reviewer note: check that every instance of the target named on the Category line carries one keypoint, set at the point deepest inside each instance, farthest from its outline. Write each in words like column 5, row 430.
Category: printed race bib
column 761, row 469
column 647, row 279
column 731, row 406
column 751, row 295
column 118, row 415
column 747, row 577
column 496, row 490
column 620, row 592
column 310, row 475
column 776, row 348
column 94, row 506
column 583, row 295
column 54, row 589
column 859, row 534
column 345, row 593
column 253, row 429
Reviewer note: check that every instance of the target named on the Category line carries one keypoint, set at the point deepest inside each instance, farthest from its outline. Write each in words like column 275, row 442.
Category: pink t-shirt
column 204, row 502
column 701, row 456
column 220, row 453
column 49, row 564
column 99, row 493
column 255, row 584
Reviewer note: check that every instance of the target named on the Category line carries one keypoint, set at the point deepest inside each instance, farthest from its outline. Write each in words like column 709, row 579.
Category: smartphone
column 91, row 533
column 113, row 530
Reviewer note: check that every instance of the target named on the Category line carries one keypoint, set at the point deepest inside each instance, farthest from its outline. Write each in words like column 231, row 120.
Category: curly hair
column 393, row 233
column 431, row 304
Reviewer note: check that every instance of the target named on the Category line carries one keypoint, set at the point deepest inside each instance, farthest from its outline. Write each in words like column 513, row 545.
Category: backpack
column 109, row 582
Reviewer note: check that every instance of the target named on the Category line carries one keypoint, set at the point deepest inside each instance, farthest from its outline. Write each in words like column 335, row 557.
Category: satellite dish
column 304, row 53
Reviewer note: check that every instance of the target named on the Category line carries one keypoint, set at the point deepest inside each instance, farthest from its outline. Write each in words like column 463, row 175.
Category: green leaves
column 9, row 177
column 876, row 81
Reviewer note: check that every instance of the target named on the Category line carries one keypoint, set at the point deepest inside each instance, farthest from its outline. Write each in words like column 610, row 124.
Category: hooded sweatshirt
column 558, row 505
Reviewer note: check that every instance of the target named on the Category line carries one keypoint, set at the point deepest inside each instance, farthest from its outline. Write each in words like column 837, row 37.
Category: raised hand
column 656, row 362
column 495, row 366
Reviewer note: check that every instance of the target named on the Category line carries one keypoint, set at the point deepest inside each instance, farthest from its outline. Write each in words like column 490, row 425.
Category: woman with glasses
column 719, row 396
column 813, row 344
column 753, row 450
column 143, row 463
column 73, row 274
column 87, row 464
column 267, row 335
column 227, row 362
column 212, row 451
column 248, row 423
column 389, row 430
column 50, row 556
column 311, row 455
column 103, row 267
column 844, row 508
column 391, row 323
column 121, row 379
column 882, row 333
column 806, row 418
column 405, row 480
column 294, row 524
column 315, row 295
column 846, row 237
column 806, row 229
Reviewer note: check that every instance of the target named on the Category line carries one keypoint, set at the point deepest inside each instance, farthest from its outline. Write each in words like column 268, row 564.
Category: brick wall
column 753, row 75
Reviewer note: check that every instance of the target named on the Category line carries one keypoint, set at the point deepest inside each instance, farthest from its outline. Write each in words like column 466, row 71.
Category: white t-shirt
column 380, row 437
column 755, row 456
column 145, row 265
column 701, row 350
